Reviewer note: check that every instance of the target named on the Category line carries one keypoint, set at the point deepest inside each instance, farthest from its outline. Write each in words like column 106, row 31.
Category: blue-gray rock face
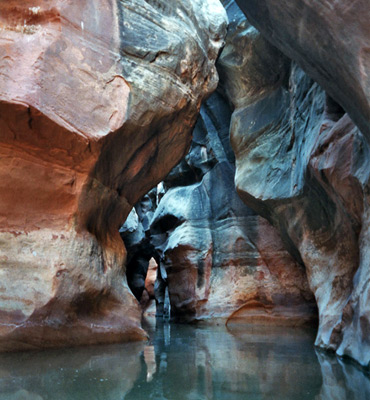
column 136, row 236
column 329, row 39
column 300, row 160
column 218, row 258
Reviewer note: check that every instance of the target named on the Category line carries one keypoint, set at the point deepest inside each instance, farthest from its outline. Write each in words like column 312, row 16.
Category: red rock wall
column 93, row 113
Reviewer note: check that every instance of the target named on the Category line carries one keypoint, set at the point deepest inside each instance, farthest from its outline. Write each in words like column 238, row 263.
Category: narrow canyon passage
column 190, row 177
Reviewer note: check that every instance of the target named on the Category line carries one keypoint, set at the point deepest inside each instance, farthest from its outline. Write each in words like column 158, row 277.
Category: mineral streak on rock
column 97, row 101
column 301, row 162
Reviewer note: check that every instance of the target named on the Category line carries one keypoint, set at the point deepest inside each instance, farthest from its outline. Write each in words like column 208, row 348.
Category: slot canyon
column 185, row 163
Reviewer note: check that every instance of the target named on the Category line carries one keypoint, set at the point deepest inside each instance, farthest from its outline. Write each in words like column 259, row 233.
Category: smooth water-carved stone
column 329, row 39
column 218, row 258
column 98, row 99
column 303, row 164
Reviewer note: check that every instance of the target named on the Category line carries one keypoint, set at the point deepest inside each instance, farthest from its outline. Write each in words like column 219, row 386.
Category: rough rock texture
column 329, row 39
column 300, row 160
column 218, row 258
column 97, row 101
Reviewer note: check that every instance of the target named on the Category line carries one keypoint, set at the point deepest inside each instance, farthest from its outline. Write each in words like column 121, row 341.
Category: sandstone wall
column 97, row 102
column 220, row 259
column 302, row 161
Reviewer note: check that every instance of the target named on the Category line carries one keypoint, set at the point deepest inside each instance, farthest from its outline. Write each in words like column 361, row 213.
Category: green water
column 186, row 362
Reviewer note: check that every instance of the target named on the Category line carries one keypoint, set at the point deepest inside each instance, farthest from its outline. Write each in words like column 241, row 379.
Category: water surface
column 187, row 362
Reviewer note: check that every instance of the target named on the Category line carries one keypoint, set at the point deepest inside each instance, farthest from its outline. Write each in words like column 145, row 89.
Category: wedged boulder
column 329, row 39
column 303, row 164
column 219, row 259
column 97, row 102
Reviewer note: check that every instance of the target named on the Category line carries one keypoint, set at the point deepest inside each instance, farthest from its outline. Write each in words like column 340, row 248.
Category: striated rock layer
column 301, row 162
column 97, row 101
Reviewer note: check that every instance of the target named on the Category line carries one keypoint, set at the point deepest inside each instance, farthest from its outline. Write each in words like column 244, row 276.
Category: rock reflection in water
column 342, row 380
column 213, row 363
column 91, row 373
column 187, row 362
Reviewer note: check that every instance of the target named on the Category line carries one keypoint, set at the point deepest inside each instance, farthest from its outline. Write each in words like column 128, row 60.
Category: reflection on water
column 107, row 372
column 342, row 381
column 186, row 362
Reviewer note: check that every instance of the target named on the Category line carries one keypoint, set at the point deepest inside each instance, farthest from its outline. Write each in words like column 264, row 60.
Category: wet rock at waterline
column 98, row 100
column 301, row 162
column 218, row 258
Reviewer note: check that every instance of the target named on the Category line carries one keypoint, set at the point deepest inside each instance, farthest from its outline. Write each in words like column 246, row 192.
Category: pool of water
column 186, row 362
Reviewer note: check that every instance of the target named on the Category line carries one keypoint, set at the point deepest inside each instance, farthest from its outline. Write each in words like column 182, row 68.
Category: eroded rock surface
column 218, row 258
column 300, row 160
column 98, row 99
column 329, row 39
